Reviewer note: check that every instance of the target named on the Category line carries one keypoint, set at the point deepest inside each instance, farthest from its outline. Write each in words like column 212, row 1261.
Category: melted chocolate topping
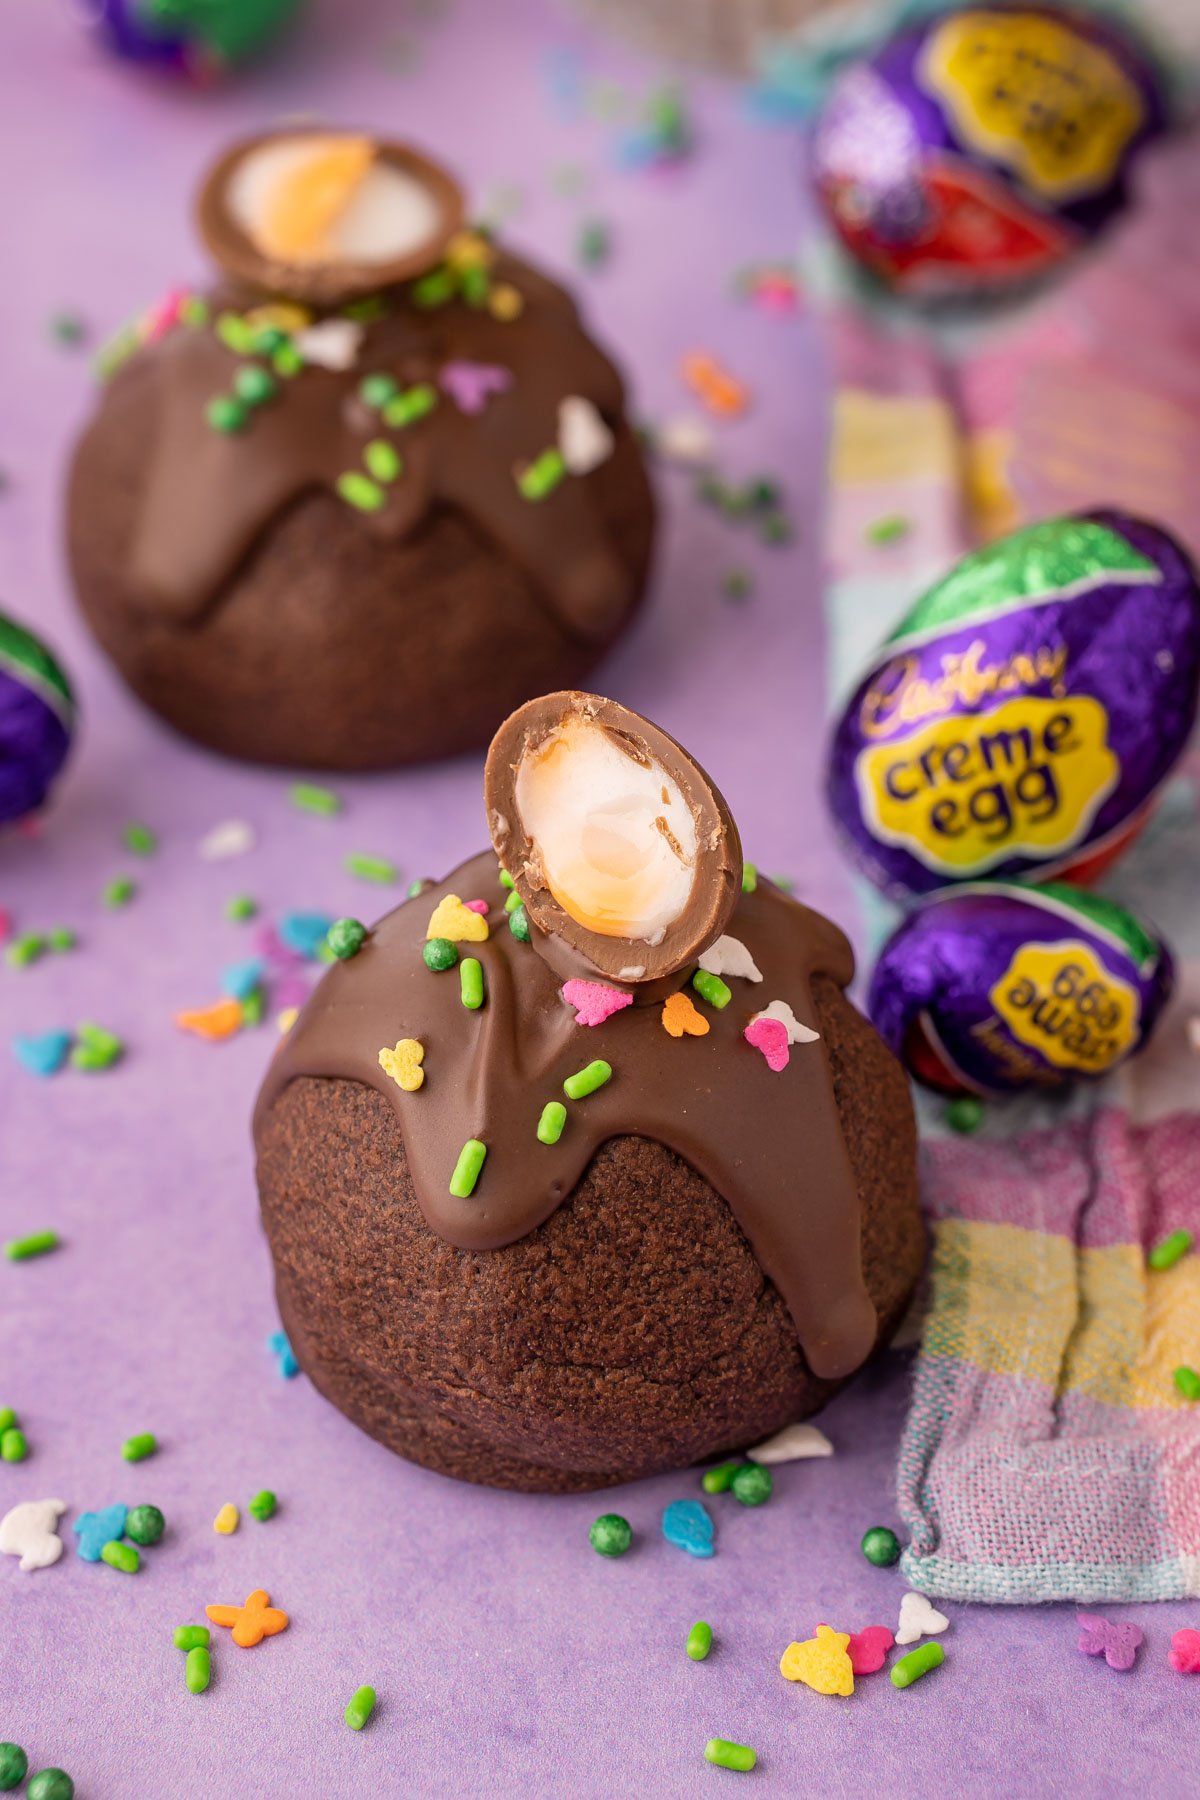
column 770, row 1143
column 211, row 496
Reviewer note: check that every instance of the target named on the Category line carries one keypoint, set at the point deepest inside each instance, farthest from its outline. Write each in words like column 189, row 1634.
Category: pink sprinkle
column 268, row 943
column 471, row 385
column 771, row 1037
column 1184, row 1653
column 290, row 990
column 479, row 906
column 593, row 1002
column 775, row 293
column 5, row 925
column 159, row 320
column 868, row 1649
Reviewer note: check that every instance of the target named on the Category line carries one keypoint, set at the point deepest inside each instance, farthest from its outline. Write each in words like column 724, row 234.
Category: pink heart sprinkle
column 1184, row 1654
column 771, row 1037
column 470, row 384
column 593, row 1002
column 479, row 906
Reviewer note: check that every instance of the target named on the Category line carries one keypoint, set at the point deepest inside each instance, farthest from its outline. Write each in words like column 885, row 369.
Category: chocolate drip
column 211, row 496
column 770, row 1143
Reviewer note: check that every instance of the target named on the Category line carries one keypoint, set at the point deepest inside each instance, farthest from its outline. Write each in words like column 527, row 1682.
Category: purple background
column 508, row 1657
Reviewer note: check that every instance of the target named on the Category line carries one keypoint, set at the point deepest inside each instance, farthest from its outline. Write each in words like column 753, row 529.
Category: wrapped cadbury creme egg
column 37, row 717
column 994, row 987
column 1022, row 715
column 981, row 148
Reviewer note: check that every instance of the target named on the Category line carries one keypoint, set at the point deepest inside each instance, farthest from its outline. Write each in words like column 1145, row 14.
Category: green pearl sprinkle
column 720, row 1479
column 964, row 1114
column 241, row 908
column 699, row 1640
column 752, row 1484
column 518, row 924
column 189, row 1637
column 466, row 1169
column 918, row 1662
column 1171, row 1250
column 470, row 975
column 119, row 891
column 346, row 938
column 254, row 386
column 360, row 492
column 382, row 460
column 13, row 1446
column 727, row 1755
column 550, row 1125
column 144, row 1524
column 36, row 1244
column 749, row 878
column 263, row 1506
column 610, row 1534
column 881, row 1546
column 197, row 1671
column 14, row 1766
column 121, row 1556
column 50, row 1784
column 267, row 339
column 1187, row 1381
column 376, row 390
column 360, row 1708
column 439, row 954
column 140, row 840
column 712, row 989
column 586, row 1081
column 234, row 333
column 287, row 361
column 889, row 530
column 139, row 1447
column 433, row 290
column 61, row 938
column 226, row 414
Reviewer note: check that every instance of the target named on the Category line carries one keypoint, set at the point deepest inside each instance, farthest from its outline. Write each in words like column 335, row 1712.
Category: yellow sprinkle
column 287, row 1018
column 504, row 302
column 227, row 1519
column 280, row 315
column 403, row 1064
column 467, row 250
column 451, row 919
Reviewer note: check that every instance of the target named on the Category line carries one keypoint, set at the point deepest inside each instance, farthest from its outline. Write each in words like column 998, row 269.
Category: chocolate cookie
column 351, row 507
column 556, row 1233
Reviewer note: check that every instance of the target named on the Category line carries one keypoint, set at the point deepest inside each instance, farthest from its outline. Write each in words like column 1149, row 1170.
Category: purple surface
column 509, row 1658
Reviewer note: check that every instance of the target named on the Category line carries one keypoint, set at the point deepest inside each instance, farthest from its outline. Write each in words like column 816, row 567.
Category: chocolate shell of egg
column 623, row 852
column 326, row 216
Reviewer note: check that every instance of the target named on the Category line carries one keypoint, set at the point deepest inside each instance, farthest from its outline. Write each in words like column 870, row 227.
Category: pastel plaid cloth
column 1048, row 1454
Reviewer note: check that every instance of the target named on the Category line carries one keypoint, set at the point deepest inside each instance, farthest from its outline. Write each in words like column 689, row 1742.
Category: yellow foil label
column 966, row 792
column 1036, row 96
column 1060, row 1000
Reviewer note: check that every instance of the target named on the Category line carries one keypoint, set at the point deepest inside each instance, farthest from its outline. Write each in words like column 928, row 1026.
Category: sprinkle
column 868, row 1649
column 234, row 333
column 286, row 1019
column 770, row 1036
column 254, row 386
column 729, row 956
column 346, row 938
column 145, row 1525
column 226, row 1521
column 584, row 440
column 752, row 1484
column 360, row 1708
column 371, row 868
column 191, row 1637
column 451, row 919
column 888, row 530
column 67, row 328
column 121, row 1556
column 821, row 1662
column 252, row 1622
column 964, row 1114
column 403, row 1064
column 506, row 881
column 434, row 289
column 383, row 460
column 197, row 1670
column 585, row 1081
column 233, row 837
column 699, row 1640
column 749, row 877
column 8, row 1419
column 593, row 1001
column 685, row 440
column 610, row 1535
column 213, row 1023
column 910, row 1668
column 466, row 1169
column 28, row 1530
column 550, row 1125
column 226, row 414
column 25, row 950
column 140, row 840
column 720, row 1479
column 360, row 491
column 43, row 1055
column 240, row 979
column 713, row 385
column 253, row 1007
column 518, row 924
column 138, row 1447
column 263, row 1506
column 307, row 796
column 333, row 344
column 376, row 390
column 543, row 475
column 305, row 933
column 796, row 1032
column 775, row 529
column 61, row 938
column 439, row 954
column 1170, row 1251
column 418, row 886
column 38, row 1243
column 728, row 1755
column 14, row 1446
column 1187, row 1381
column 14, row 1766
column 918, row 1618
column 471, row 385
column 712, row 989
column 95, row 1048
column 95, row 1529
column 471, row 983
column 792, row 1443
column 880, row 1546
column 593, row 245
column 513, row 901
column 687, row 1525
column 680, row 1018
column 505, row 303
column 119, row 891
column 1184, row 1654
column 737, row 584
column 407, row 407
column 284, row 1355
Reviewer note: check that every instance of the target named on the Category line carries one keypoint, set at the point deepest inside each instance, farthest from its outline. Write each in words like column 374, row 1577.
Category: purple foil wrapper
column 1024, row 713
column 994, row 988
column 986, row 144
column 36, row 720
